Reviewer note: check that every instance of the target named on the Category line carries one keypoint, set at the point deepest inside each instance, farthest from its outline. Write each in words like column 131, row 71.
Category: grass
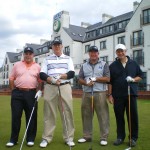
column 58, row 143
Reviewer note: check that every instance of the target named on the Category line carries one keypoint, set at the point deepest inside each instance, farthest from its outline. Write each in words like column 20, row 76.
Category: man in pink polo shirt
column 24, row 82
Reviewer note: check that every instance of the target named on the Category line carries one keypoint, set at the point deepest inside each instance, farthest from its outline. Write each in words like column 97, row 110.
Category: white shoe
column 103, row 142
column 70, row 143
column 43, row 143
column 83, row 140
column 10, row 144
column 30, row 143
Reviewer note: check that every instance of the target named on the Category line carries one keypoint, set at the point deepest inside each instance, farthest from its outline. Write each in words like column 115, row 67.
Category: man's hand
column 38, row 94
column 89, row 82
column 56, row 79
column 130, row 79
column 93, row 79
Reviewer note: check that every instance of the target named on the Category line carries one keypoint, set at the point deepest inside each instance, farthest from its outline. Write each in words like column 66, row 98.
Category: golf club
column 28, row 124
column 92, row 109
column 129, row 118
column 60, row 98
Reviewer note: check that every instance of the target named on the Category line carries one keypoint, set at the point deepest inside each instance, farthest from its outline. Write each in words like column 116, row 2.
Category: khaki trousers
column 52, row 103
column 102, row 112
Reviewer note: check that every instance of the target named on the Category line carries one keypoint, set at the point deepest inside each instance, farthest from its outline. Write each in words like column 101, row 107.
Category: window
column 137, row 38
column 58, row 37
column 138, row 56
column 92, row 33
column 108, row 29
column 45, row 49
column 87, row 35
column 87, row 48
column 101, row 31
column 122, row 24
column 105, row 58
column 7, row 67
column 97, row 32
column 102, row 45
column 6, row 61
column 36, row 60
column 67, row 51
column 121, row 40
column 7, row 75
column 111, row 28
column 146, row 16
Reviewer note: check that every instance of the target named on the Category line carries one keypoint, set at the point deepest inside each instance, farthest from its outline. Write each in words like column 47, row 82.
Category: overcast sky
column 28, row 21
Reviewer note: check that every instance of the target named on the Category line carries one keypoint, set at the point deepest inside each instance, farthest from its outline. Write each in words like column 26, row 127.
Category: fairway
column 143, row 142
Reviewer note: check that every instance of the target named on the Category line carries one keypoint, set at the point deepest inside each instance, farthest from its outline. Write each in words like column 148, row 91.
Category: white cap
column 120, row 46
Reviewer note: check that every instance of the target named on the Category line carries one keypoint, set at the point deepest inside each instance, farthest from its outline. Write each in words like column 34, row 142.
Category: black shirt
column 118, row 75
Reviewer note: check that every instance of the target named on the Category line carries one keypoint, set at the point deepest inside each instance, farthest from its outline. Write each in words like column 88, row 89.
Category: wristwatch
column 109, row 94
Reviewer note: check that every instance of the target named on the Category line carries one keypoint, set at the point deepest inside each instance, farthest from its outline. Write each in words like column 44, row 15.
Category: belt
column 25, row 89
column 60, row 83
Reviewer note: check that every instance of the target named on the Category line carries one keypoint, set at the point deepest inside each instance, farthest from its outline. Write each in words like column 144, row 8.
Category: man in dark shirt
column 124, row 72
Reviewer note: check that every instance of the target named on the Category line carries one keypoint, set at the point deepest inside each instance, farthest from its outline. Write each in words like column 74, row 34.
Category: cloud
column 28, row 21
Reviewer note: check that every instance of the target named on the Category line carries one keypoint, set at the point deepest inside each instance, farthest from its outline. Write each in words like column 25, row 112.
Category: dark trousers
column 23, row 100
column 120, row 106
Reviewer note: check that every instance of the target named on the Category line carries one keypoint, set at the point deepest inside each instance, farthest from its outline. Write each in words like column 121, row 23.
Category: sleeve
column 106, row 72
column 44, row 67
column 70, row 65
column 139, row 72
column 81, row 73
column 12, row 75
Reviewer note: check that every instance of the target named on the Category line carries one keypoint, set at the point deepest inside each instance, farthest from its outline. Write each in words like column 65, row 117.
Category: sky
column 29, row 21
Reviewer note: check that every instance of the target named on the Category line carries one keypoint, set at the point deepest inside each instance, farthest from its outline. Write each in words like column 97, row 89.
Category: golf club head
column 90, row 148
column 128, row 148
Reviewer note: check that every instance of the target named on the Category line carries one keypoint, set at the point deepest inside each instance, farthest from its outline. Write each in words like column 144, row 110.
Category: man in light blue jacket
column 93, row 76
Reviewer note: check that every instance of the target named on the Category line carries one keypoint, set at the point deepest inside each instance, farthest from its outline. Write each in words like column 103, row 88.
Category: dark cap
column 28, row 49
column 93, row 49
column 56, row 41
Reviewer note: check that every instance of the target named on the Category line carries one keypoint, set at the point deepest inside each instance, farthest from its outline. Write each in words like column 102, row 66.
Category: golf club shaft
column 129, row 114
column 92, row 114
column 28, row 125
column 65, row 122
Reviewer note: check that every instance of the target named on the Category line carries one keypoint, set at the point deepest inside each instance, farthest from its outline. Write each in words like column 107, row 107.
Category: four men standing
column 56, row 72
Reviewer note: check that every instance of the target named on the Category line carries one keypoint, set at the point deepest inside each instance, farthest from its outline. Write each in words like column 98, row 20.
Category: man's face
column 121, row 53
column 57, row 48
column 28, row 57
column 93, row 55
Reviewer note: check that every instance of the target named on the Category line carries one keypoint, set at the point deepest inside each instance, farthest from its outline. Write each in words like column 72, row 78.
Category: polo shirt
column 24, row 75
column 54, row 65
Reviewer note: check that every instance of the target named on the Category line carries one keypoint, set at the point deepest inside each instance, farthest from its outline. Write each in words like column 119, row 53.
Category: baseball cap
column 56, row 41
column 28, row 49
column 120, row 46
column 93, row 48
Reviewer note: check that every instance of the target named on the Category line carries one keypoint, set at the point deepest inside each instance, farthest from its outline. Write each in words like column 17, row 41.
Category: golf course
column 143, row 142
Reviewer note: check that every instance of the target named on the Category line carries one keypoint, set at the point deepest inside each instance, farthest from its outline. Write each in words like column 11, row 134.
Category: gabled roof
column 119, row 18
column 77, row 33
column 14, row 57
column 38, row 48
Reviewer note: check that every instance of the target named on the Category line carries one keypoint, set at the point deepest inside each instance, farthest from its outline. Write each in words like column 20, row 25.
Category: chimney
column 105, row 18
column 42, row 41
column 85, row 24
column 135, row 5
column 65, row 19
